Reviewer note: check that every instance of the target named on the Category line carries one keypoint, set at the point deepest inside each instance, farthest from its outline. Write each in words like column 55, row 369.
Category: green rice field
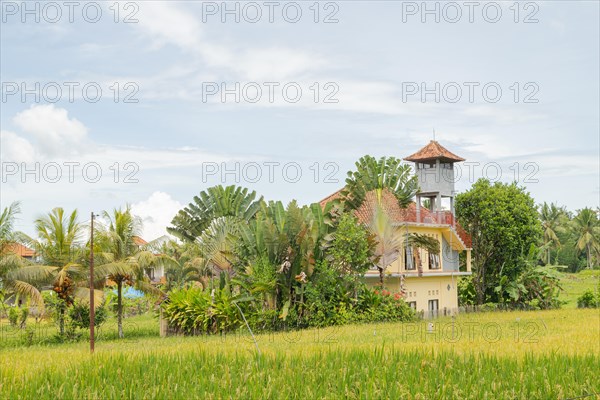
column 501, row 355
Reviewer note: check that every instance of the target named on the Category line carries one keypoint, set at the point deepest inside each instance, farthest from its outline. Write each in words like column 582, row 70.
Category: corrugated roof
column 433, row 151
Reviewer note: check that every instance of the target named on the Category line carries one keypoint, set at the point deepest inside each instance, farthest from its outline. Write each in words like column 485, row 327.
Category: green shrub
column 488, row 307
column 589, row 299
column 13, row 316
column 80, row 315
column 194, row 310
column 466, row 291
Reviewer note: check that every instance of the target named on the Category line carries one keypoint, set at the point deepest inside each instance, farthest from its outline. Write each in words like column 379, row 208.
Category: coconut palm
column 551, row 216
column 122, row 260
column 189, row 266
column 586, row 226
column 9, row 261
column 59, row 236
column 62, row 256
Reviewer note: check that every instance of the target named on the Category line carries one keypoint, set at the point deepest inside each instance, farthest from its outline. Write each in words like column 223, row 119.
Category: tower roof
column 434, row 151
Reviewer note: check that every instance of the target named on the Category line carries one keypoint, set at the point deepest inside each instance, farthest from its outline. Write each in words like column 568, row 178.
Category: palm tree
column 551, row 216
column 388, row 238
column 7, row 224
column 391, row 239
column 586, row 227
column 372, row 182
column 10, row 282
column 189, row 265
column 121, row 260
column 59, row 236
column 62, row 256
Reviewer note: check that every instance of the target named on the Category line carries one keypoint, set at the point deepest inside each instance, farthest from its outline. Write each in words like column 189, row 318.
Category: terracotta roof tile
column 433, row 151
column 139, row 241
column 20, row 250
column 402, row 215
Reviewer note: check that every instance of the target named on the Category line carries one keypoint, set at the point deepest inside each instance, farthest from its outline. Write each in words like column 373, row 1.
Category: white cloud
column 156, row 213
column 55, row 133
column 15, row 148
column 163, row 24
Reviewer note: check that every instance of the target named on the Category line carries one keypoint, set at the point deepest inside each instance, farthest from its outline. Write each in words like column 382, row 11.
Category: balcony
column 436, row 217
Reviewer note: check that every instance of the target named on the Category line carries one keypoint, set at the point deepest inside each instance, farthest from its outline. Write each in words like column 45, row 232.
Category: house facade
column 428, row 281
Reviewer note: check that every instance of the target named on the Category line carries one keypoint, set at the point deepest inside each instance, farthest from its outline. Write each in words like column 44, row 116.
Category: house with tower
column 428, row 280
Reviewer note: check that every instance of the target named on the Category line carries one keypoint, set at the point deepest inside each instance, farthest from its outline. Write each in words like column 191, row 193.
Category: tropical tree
column 122, row 260
column 536, row 285
column 391, row 239
column 11, row 283
column 189, row 265
column 503, row 222
column 551, row 217
column 372, row 175
column 587, row 228
column 215, row 202
column 288, row 239
column 349, row 248
column 62, row 257
column 59, row 237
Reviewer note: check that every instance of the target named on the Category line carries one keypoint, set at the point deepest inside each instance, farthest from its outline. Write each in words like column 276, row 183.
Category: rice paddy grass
column 508, row 355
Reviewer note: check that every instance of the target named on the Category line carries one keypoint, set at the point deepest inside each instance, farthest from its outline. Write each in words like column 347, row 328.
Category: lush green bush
column 589, row 299
column 382, row 306
column 466, row 291
column 331, row 299
column 334, row 299
column 194, row 310
column 79, row 315
column 131, row 306
column 17, row 316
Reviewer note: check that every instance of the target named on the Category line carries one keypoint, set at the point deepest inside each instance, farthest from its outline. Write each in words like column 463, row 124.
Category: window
column 150, row 273
column 412, row 304
column 446, row 165
column 433, row 305
column 434, row 261
column 409, row 259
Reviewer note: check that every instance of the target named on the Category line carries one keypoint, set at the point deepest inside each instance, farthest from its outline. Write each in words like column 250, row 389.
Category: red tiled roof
column 139, row 241
column 20, row 250
column 433, row 151
column 401, row 215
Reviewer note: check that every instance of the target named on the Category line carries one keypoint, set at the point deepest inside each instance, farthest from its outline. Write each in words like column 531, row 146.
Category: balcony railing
column 436, row 217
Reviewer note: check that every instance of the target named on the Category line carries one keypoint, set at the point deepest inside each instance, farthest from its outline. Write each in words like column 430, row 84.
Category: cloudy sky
column 148, row 102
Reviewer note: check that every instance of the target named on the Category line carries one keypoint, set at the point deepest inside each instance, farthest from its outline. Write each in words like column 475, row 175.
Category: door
column 433, row 307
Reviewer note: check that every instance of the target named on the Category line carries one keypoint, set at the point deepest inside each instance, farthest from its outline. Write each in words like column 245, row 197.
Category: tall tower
column 434, row 166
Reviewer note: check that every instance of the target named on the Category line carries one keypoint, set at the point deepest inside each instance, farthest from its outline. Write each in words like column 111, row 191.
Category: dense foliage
column 503, row 222
column 289, row 265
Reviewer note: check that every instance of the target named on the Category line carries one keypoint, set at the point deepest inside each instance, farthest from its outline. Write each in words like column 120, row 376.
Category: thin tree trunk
column 589, row 256
column 381, row 276
column 479, row 283
column 61, row 321
column 120, row 308
column 419, row 262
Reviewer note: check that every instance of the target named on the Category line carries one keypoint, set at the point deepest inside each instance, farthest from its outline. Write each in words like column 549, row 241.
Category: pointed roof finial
column 433, row 151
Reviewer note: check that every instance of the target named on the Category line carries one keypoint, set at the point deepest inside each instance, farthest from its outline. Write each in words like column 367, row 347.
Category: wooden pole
column 92, row 310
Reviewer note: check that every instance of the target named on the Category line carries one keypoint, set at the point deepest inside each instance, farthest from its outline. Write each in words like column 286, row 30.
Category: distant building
column 430, row 286
column 21, row 250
